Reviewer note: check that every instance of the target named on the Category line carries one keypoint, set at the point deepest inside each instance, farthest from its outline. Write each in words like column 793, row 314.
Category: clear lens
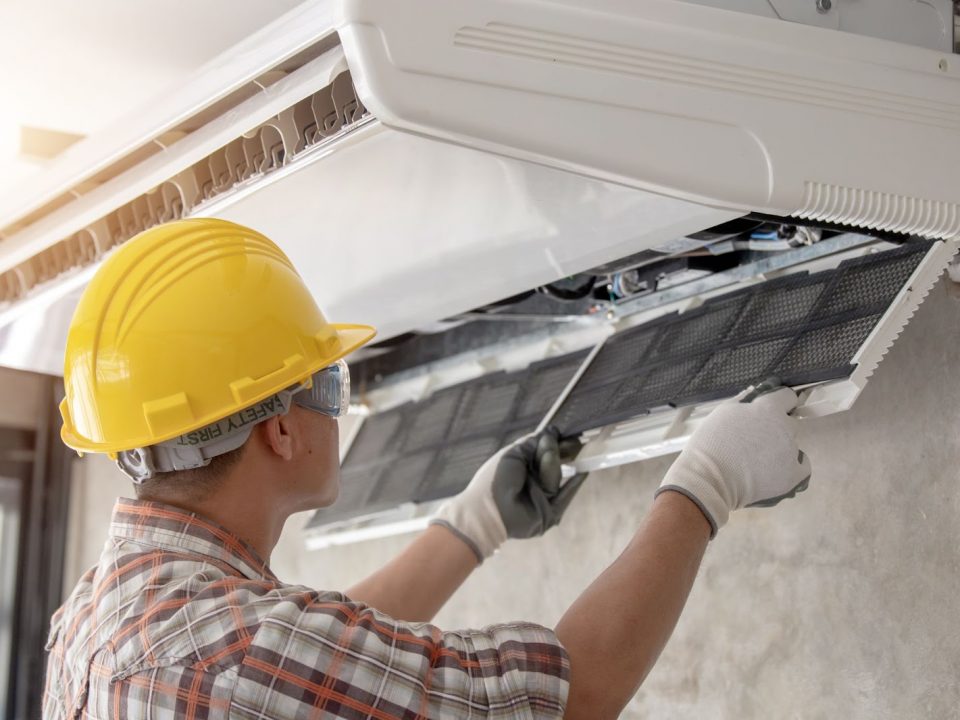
column 330, row 392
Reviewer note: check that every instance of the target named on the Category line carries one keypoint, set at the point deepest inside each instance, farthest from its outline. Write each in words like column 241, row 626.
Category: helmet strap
column 197, row 448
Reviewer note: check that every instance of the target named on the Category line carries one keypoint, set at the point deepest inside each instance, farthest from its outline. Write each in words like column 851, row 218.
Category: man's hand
column 744, row 454
column 517, row 493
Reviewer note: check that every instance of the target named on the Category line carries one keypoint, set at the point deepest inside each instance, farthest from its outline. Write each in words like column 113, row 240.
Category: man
column 199, row 361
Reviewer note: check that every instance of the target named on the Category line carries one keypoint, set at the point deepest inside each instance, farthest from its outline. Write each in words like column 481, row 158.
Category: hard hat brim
column 351, row 337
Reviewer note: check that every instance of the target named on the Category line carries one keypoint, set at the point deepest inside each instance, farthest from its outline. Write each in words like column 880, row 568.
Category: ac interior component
column 682, row 267
column 671, row 97
column 640, row 392
column 533, row 317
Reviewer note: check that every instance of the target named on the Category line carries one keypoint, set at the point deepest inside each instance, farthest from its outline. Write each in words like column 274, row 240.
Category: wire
column 774, row 8
column 574, row 293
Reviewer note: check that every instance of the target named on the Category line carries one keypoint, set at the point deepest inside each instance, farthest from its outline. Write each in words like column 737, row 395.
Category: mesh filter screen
column 825, row 349
column 378, row 436
column 401, row 478
column 585, row 402
column 698, row 329
column 545, row 381
column 870, row 283
column 779, row 306
column 429, row 421
column 455, row 467
column 620, row 355
column 431, row 449
column 733, row 369
column 661, row 383
column 356, row 488
column 802, row 328
column 485, row 406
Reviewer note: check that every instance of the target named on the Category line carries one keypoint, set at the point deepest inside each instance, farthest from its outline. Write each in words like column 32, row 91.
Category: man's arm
column 643, row 591
column 614, row 632
column 517, row 493
column 417, row 583
column 744, row 454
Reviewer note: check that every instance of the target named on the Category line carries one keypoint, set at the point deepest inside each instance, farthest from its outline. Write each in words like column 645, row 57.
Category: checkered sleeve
column 317, row 653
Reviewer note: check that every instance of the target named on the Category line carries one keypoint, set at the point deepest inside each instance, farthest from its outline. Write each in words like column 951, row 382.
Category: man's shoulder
column 207, row 620
column 153, row 608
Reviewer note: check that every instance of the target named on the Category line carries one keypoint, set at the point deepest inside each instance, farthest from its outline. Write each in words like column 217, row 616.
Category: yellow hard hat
column 183, row 325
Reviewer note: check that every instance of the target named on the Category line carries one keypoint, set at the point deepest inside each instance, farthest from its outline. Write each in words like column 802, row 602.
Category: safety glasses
column 328, row 391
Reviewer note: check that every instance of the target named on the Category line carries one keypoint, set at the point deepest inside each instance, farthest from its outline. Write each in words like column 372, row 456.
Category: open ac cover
column 606, row 218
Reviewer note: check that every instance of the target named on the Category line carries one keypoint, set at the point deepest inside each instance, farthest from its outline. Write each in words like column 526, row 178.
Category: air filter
column 430, row 449
column 802, row 328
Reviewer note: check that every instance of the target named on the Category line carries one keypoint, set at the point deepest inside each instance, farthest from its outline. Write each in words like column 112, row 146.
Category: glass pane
column 9, row 542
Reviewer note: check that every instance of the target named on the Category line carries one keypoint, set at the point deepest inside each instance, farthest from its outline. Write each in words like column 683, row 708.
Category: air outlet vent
column 879, row 211
column 308, row 125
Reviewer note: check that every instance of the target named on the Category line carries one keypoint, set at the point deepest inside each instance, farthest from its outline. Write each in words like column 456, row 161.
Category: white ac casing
column 511, row 144
column 709, row 105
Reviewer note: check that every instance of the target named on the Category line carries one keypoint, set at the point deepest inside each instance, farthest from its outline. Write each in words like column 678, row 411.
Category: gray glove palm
column 517, row 493
column 745, row 454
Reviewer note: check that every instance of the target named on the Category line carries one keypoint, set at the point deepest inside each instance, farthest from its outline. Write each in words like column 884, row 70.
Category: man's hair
column 194, row 485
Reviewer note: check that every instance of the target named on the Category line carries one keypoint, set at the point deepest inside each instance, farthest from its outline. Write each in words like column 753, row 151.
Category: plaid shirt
column 181, row 619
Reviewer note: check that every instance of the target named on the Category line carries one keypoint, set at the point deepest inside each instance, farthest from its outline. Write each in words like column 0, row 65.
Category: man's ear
column 278, row 435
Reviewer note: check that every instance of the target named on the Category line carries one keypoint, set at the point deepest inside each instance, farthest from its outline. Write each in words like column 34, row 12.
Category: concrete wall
column 843, row 603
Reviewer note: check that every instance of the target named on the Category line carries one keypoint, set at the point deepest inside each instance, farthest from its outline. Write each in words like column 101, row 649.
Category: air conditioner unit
column 423, row 161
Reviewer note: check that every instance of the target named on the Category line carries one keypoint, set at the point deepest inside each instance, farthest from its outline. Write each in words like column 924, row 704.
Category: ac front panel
column 399, row 231
column 712, row 105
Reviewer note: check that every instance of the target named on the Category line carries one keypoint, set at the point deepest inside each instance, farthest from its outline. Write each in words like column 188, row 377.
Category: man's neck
column 255, row 519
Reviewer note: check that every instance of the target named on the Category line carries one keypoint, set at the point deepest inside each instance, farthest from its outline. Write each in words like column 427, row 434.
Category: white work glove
column 517, row 493
column 744, row 454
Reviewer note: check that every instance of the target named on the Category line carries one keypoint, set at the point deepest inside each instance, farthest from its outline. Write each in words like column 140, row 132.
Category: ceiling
column 74, row 67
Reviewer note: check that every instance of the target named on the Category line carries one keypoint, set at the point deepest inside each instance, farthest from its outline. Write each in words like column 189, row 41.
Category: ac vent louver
column 303, row 128
column 858, row 207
